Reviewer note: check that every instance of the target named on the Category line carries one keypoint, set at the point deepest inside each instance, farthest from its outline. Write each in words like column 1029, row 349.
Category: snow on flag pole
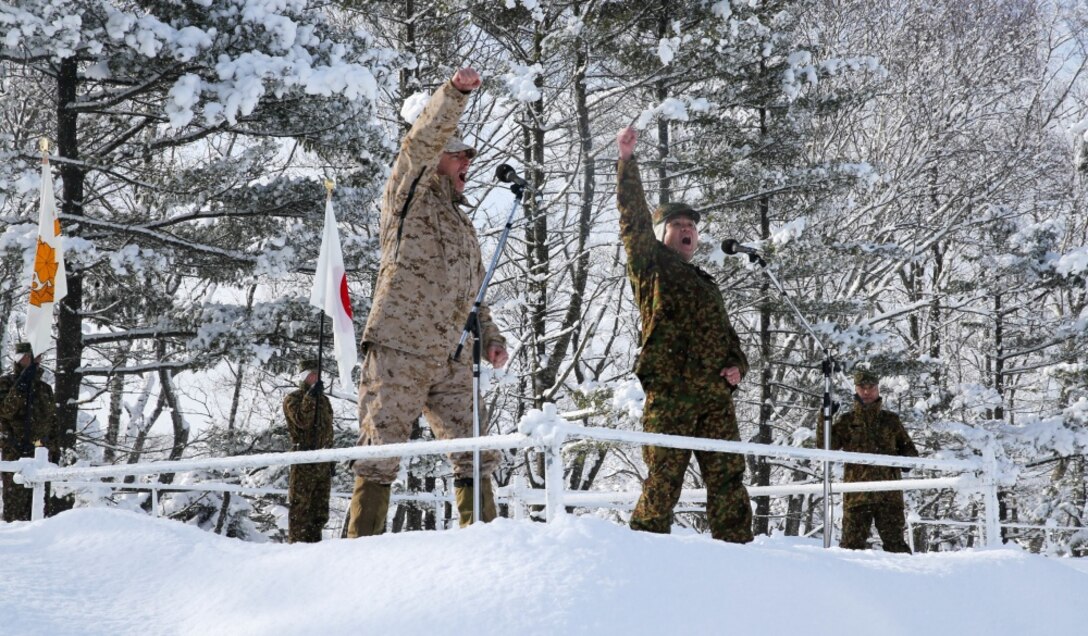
column 49, row 281
column 330, row 293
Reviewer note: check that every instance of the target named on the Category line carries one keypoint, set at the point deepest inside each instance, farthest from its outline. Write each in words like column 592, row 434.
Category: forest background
column 913, row 174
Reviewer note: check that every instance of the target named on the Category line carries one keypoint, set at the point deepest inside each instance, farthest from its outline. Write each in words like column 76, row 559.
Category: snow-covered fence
column 547, row 431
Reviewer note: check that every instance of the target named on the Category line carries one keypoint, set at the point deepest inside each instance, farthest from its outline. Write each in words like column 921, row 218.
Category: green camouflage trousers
column 890, row 522
column 17, row 500
column 728, row 509
column 308, row 491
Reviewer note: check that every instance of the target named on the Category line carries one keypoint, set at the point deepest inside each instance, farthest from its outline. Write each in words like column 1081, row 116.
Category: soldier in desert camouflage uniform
column 20, row 433
column 428, row 278
column 309, row 485
column 690, row 362
column 870, row 429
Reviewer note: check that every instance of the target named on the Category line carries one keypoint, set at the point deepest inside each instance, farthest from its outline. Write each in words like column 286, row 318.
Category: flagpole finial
column 328, row 187
column 43, row 145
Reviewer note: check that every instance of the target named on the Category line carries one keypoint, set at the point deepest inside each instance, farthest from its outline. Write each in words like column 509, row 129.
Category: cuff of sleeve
column 456, row 91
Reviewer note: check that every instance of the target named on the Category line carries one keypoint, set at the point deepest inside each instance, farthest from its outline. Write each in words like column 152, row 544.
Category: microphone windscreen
column 504, row 173
column 729, row 246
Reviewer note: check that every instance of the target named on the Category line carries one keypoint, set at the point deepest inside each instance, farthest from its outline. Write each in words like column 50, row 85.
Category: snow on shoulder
column 105, row 571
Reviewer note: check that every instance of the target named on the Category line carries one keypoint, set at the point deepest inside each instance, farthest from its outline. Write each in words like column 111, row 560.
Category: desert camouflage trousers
column 890, row 520
column 395, row 388
column 309, row 486
column 728, row 508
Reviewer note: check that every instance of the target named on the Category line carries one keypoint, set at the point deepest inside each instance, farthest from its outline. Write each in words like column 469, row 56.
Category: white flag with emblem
column 330, row 294
column 49, row 282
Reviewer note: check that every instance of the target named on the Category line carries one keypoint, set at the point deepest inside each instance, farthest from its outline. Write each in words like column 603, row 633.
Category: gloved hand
column 317, row 389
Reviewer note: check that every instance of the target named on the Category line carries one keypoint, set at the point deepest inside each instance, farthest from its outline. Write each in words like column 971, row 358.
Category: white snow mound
column 104, row 571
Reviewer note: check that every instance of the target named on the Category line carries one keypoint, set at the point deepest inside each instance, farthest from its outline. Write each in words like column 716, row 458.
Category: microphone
column 730, row 246
column 506, row 174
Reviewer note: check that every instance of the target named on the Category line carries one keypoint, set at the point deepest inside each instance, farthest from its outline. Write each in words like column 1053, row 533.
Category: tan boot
column 369, row 508
column 463, row 494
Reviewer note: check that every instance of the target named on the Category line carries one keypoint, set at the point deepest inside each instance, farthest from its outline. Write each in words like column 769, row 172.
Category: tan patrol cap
column 456, row 144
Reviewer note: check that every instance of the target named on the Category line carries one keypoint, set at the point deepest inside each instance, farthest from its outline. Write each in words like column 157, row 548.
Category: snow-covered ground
column 104, row 571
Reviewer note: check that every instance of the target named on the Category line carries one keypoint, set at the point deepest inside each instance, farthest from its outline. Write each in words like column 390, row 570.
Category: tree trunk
column 70, row 320
column 762, row 476
column 113, row 424
column 661, row 92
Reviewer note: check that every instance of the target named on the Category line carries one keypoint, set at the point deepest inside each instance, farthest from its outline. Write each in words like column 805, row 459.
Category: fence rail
column 548, row 432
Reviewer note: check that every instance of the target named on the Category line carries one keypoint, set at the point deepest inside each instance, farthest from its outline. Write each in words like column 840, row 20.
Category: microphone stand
column 472, row 326
column 828, row 367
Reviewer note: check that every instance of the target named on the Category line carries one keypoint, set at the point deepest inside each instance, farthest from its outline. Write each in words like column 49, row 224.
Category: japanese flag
column 330, row 294
column 49, row 282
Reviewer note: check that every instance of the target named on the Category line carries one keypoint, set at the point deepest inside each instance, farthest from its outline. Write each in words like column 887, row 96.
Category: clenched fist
column 466, row 80
column 626, row 140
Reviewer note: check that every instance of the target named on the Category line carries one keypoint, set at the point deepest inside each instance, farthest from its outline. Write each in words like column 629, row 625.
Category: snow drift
column 105, row 571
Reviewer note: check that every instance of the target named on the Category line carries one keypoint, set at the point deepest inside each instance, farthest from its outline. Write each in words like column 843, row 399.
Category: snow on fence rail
column 544, row 430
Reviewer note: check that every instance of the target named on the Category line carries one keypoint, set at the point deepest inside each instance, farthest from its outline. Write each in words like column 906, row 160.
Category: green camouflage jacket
column 298, row 408
column 869, row 429
column 686, row 334
column 431, row 268
column 43, row 418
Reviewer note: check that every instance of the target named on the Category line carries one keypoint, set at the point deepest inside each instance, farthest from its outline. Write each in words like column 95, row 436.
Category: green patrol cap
column 307, row 365
column 23, row 347
column 666, row 211
column 863, row 377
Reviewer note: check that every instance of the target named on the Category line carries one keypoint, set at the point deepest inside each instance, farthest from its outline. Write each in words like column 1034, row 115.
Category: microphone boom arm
column 828, row 367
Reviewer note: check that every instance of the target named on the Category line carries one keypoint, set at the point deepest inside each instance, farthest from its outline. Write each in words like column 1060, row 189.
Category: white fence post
column 553, row 479
column 37, row 504
column 989, row 493
column 514, row 502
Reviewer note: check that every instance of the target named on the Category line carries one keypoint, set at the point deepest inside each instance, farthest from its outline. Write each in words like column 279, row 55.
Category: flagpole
column 321, row 329
column 27, row 450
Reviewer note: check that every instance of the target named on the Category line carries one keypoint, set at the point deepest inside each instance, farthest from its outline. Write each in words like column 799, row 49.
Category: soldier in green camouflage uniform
column 691, row 360
column 870, row 429
column 309, row 484
column 19, row 434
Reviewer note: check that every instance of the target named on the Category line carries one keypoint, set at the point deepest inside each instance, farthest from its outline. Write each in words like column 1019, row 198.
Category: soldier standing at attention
column 430, row 273
column 22, row 427
column 690, row 363
column 309, row 422
column 868, row 428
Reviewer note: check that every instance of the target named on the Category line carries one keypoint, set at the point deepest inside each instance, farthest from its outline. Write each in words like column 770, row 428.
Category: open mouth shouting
column 682, row 236
column 455, row 165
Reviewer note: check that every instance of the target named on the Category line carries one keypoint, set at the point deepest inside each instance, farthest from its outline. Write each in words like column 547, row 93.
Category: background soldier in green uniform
column 870, row 429
column 309, row 484
column 690, row 363
column 21, row 429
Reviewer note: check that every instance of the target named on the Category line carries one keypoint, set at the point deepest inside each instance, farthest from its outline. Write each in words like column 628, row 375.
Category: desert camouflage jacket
column 298, row 408
column 16, row 439
column 869, row 429
column 431, row 268
column 686, row 334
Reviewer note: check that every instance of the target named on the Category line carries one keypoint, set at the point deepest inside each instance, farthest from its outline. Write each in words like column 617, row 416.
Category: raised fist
column 466, row 80
column 626, row 140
